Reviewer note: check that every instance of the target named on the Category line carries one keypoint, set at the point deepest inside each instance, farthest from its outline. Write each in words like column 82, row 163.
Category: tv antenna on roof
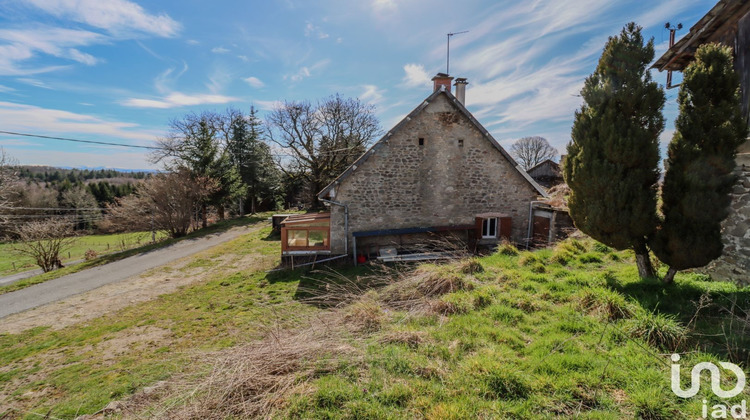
column 448, row 57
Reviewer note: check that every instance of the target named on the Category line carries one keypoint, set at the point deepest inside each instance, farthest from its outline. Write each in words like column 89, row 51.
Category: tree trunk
column 643, row 261
column 204, row 215
column 669, row 278
column 220, row 208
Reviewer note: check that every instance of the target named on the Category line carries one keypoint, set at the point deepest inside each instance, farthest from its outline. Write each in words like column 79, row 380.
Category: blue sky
column 119, row 70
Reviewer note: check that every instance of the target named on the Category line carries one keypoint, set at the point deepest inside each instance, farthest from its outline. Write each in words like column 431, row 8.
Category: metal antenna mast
column 448, row 56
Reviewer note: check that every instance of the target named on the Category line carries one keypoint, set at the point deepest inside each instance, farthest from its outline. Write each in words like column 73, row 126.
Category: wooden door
column 541, row 231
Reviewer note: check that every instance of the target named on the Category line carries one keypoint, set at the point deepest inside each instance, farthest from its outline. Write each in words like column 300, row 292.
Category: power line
column 12, row 133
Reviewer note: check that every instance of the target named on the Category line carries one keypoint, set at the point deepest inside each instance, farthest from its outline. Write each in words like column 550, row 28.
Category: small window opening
column 421, row 141
column 489, row 228
column 460, row 142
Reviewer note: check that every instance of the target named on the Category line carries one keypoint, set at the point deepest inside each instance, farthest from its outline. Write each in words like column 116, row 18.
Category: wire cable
column 12, row 133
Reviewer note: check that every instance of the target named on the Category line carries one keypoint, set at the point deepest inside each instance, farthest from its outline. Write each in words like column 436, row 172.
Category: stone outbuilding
column 728, row 23
column 437, row 176
column 547, row 173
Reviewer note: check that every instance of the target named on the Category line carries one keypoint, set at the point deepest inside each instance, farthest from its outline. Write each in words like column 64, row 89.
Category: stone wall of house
column 455, row 175
column 734, row 264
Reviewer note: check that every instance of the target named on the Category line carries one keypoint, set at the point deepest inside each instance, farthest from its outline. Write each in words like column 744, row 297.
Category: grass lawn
column 101, row 244
column 123, row 251
column 79, row 369
column 568, row 332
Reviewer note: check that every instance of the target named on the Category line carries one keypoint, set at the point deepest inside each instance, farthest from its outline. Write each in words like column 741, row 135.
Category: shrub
column 529, row 258
column 659, row 330
column 365, row 315
column 607, row 302
column 482, row 297
column 439, row 281
column 334, row 392
column 396, row 395
column 454, row 303
column 561, row 256
column 590, row 258
column 506, row 314
column 653, row 404
column 600, row 247
column 538, row 267
column 411, row 339
column 507, row 384
column 470, row 266
column 507, row 248
column 90, row 255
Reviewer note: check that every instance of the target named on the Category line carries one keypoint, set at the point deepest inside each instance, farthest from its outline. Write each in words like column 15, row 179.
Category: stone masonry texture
column 444, row 182
column 734, row 264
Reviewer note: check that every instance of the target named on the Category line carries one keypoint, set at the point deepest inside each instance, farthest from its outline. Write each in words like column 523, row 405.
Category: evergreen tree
column 699, row 178
column 194, row 144
column 612, row 160
column 252, row 157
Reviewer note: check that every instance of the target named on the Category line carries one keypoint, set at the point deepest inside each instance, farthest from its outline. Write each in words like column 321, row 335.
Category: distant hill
column 85, row 175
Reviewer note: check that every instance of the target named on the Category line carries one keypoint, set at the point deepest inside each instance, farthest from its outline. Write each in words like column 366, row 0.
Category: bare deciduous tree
column 8, row 179
column 169, row 201
column 322, row 139
column 44, row 240
column 531, row 151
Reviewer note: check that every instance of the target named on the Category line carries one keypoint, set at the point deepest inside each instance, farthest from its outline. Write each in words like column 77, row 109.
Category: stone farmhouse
column 728, row 23
column 437, row 175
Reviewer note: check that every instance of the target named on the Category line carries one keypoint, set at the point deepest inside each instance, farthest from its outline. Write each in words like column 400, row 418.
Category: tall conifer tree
column 699, row 178
column 612, row 160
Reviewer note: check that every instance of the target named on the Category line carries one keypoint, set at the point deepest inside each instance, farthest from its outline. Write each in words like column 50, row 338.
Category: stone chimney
column 442, row 82
column 461, row 89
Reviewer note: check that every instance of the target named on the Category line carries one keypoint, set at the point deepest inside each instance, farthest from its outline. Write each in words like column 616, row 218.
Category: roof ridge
column 416, row 111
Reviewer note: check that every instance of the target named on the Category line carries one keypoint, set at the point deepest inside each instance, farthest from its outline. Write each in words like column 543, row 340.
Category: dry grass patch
column 250, row 381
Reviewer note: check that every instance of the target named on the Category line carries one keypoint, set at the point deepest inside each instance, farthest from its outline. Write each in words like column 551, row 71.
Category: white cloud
column 268, row 105
column 219, row 50
column 82, row 57
column 301, row 74
column 254, row 82
column 33, row 82
column 313, row 30
column 380, row 6
column 371, row 94
column 178, row 99
column 29, row 118
column 192, row 42
column 23, row 44
column 415, row 75
column 6, row 89
column 16, row 142
column 119, row 17
column 166, row 79
column 305, row 71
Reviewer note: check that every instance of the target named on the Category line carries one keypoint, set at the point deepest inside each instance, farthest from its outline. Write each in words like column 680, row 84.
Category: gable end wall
column 405, row 185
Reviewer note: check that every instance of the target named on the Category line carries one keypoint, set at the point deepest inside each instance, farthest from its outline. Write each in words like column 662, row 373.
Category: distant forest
column 104, row 185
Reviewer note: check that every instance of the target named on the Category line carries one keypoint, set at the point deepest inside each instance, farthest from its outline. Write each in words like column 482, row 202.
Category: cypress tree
column 613, row 156
column 699, row 178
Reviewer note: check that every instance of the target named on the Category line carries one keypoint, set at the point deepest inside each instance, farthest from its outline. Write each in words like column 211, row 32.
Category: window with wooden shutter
column 506, row 227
